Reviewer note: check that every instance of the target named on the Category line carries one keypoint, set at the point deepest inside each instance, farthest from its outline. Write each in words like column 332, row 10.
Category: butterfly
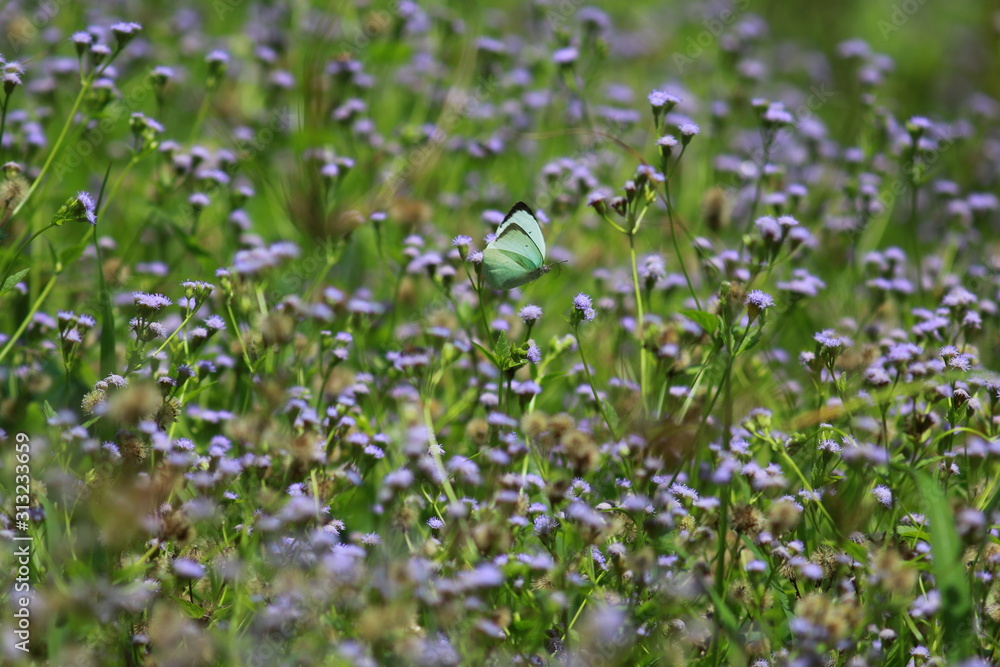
column 517, row 255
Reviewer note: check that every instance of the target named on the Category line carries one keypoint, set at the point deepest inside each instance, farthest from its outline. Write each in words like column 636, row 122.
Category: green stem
column 915, row 238
column 677, row 248
column 29, row 317
column 171, row 336
column 640, row 324
column 118, row 181
column 24, row 245
column 3, row 122
column 590, row 381
column 200, row 118
column 482, row 314
column 58, row 145
column 767, row 141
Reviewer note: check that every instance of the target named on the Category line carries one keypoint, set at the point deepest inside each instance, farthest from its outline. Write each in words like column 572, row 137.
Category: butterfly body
column 517, row 255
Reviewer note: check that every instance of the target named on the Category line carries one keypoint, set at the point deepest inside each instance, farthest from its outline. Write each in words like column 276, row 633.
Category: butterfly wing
column 517, row 254
column 505, row 270
column 522, row 216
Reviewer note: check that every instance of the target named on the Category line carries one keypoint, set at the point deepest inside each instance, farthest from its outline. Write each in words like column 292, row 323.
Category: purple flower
column 215, row 323
column 461, row 240
column 758, row 299
column 688, row 130
column 653, row 270
column 830, row 339
column 530, row 314
column 777, row 116
column 583, row 309
column 534, row 353
column 883, row 495
column 659, row 99
column 150, row 302
column 89, row 207
column 185, row 568
column 565, row 56
column 926, row 605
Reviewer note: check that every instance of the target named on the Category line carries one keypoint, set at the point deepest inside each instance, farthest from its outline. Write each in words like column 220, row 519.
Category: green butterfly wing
column 517, row 254
column 522, row 216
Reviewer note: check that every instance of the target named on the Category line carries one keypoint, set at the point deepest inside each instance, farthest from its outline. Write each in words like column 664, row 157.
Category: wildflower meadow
column 532, row 333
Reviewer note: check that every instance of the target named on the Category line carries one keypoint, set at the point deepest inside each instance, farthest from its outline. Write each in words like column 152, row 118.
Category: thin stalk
column 3, row 121
column 57, row 146
column 590, row 381
column 915, row 238
column 640, row 328
column 10, row 265
column 29, row 317
column 767, row 140
column 677, row 248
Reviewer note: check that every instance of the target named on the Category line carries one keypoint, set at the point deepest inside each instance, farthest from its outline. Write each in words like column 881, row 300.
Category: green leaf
column 492, row 357
column 69, row 255
column 775, row 584
column 48, row 411
column 707, row 321
column 503, row 350
column 949, row 572
column 723, row 614
column 189, row 609
column 750, row 342
column 611, row 414
column 108, row 342
column 8, row 284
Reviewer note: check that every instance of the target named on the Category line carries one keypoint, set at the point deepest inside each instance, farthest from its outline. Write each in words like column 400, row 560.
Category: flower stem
column 29, row 317
column 677, row 248
column 640, row 324
column 24, row 245
column 590, row 381
column 58, row 145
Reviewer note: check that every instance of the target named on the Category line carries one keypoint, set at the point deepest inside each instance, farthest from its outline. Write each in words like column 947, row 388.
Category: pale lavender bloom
column 215, row 323
column 565, row 56
column 185, row 568
column 959, row 296
column 769, row 229
column 883, row 495
column 530, row 314
column 659, row 99
column 926, row 605
column 759, row 299
column 802, row 283
column 584, row 305
column 545, row 525
column 830, row 339
column 117, row 381
column 688, row 130
column 89, row 207
column 371, row 539
column 150, row 302
column 877, row 376
column 527, row 388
